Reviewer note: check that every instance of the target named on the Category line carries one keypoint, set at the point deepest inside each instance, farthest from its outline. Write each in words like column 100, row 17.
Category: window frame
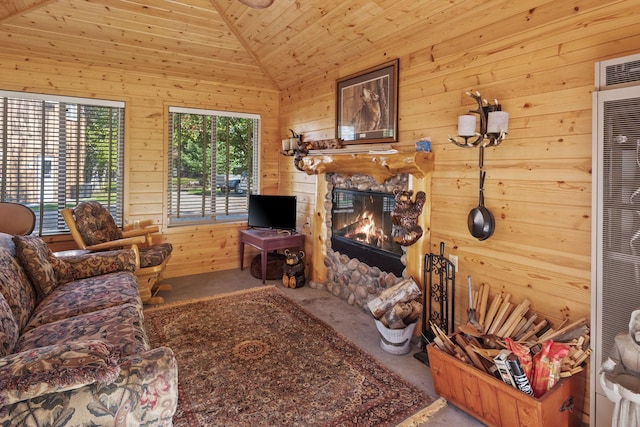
column 213, row 216
column 61, row 139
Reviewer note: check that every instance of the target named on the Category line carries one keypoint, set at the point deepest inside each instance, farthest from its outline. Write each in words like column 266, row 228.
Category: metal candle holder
column 493, row 124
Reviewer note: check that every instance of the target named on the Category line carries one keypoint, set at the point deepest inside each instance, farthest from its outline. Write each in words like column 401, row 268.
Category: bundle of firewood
column 397, row 307
column 503, row 318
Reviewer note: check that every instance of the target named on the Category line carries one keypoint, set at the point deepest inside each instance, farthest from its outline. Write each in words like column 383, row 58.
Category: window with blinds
column 213, row 165
column 57, row 151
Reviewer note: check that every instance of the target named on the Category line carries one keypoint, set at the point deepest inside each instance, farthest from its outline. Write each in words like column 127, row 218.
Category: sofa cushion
column 8, row 328
column 56, row 368
column 120, row 326
column 85, row 296
column 16, row 287
column 33, row 254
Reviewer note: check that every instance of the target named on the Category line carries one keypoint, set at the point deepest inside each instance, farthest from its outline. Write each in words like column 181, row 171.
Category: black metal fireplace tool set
column 439, row 296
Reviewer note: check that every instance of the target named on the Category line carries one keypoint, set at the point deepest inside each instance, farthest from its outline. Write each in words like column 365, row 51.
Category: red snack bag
column 524, row 355
column 546, row 366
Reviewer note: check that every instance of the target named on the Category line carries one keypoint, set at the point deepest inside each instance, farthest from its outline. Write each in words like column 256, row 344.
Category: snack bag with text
column 524, row 354
column 546, row 366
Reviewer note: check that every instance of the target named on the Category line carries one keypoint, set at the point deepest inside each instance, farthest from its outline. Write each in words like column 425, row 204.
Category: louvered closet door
column 616, row 246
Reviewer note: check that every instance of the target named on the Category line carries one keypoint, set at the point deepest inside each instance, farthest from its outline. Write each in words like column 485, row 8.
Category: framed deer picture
column 367, row 105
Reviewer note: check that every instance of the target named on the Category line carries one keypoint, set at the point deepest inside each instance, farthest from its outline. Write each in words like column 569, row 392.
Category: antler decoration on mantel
column 257, row 4
column 493, row 124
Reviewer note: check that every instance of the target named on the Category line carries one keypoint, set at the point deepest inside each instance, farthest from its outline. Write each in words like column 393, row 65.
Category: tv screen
column 276, row 212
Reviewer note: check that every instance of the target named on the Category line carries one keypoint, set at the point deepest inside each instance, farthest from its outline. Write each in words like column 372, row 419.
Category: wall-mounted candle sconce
column 493, row 124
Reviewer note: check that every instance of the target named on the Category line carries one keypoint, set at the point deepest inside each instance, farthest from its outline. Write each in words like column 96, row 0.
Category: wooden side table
column 268, row 240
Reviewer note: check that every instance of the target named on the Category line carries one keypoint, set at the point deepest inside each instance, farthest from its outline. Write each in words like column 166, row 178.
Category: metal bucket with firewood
column 395, row 341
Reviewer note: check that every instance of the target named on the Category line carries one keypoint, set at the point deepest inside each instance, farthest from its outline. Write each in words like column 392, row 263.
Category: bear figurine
column 293, row 270
column 404, row 217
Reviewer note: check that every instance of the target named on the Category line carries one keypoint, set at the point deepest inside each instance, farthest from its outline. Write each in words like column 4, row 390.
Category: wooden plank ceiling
column 219, row 40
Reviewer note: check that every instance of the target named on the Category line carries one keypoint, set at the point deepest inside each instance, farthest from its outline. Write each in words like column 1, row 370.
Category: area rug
column 256, row 358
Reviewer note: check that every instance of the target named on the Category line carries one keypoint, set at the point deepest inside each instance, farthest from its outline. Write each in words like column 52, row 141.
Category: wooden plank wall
column 196, row 249
column 540, row 64
column 536, row 56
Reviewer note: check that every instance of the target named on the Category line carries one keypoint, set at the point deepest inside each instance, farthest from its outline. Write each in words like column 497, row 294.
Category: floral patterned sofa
column 73, row 348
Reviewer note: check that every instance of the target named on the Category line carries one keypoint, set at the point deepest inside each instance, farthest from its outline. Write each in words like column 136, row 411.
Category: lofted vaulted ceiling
column 220, row 40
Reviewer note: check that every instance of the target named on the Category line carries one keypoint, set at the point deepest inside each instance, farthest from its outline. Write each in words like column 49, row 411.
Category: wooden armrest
column 141, row 231
column 145, row 223
column 117, row 243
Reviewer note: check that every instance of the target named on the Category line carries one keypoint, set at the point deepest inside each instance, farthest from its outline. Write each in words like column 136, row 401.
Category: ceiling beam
column 243, row 42
column 12, row 9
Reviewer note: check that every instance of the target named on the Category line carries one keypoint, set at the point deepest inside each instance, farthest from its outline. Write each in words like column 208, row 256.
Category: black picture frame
column 367, row 105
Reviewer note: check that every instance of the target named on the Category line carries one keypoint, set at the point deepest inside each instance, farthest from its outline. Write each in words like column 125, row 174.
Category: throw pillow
column 33, row 254
column 64, row 273
column 56, row 368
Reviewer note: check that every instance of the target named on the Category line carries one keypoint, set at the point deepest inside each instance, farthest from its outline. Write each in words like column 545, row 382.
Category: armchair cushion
column 95, row 223
column 56, row 368
column 155, row 255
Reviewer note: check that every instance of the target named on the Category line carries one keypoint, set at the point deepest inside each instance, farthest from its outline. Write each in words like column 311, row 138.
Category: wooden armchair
column 94, row 229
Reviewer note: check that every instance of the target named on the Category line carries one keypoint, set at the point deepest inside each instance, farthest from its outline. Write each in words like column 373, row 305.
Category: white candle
column 498, row 122
column 285, row 144
column 466, row 125
column 293, row 143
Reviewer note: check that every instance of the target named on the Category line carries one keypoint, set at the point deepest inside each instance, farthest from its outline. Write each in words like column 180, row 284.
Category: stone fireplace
column 357, row 270
column 348, row 203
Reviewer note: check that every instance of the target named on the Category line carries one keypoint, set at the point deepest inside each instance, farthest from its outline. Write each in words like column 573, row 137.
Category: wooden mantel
column 379, row 166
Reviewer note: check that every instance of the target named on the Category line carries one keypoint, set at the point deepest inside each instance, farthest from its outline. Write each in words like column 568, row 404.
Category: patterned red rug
column 256, row 358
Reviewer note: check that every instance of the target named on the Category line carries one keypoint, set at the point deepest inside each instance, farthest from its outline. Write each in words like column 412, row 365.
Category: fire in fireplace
column 361, row 228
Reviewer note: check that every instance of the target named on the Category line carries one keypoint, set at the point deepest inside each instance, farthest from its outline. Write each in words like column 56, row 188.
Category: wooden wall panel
column 536, row 56
column 198, row 249
column 538, row 181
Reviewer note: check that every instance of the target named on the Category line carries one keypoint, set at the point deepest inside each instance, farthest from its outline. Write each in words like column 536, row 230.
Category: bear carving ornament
column 406, row 230
column 293, row 275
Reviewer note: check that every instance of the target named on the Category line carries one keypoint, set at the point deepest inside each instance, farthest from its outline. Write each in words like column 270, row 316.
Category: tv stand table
column 268, row 240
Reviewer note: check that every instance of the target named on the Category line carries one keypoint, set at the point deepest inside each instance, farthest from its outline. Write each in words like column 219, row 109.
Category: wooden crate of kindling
column 495, row 403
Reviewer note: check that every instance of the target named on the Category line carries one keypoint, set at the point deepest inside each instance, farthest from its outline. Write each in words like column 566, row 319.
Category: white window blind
column 213, row 164
column 57, row 151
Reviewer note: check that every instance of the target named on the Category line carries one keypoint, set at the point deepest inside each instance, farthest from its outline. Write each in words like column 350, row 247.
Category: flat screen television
column 274, row 212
